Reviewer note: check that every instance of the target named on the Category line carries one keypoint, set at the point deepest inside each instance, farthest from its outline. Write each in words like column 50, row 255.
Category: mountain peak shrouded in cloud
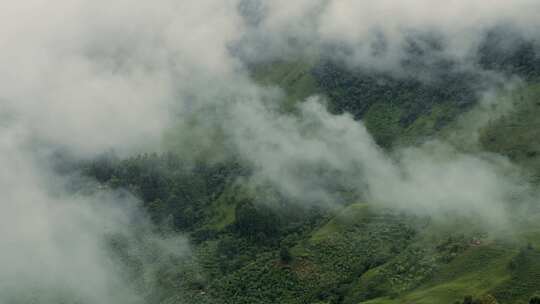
column 90, row 77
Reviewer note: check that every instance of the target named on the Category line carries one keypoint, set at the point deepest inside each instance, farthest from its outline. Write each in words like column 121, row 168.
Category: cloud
column 57, row 244
column 91, row 76
column 85, row 77
column 381, row 36
column 321, row 158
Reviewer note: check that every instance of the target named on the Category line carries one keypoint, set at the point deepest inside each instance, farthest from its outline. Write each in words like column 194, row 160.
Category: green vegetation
column 295, row 78
column 516, row 133
column 250, row 248
column 394, row 110
column 249, row 253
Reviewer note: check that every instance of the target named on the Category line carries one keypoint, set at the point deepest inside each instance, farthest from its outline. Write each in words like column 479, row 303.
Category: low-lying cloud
column 383, row 36
column 320, row 158
column 81, row 78
column 57, row 244
column 86, row 77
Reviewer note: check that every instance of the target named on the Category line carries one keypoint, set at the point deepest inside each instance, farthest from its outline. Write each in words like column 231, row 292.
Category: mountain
column 252, row 244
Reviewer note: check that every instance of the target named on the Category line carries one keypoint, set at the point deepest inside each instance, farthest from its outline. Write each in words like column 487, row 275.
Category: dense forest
column 263, row 152
column 254, row 245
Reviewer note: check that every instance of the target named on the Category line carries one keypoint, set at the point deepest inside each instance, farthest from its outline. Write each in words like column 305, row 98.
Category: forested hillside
column 270, row 152
column 254, row 245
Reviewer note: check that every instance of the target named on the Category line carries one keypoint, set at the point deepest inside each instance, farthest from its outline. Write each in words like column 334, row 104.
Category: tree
column 535, row 300
column 257, row 223
column 284, row 255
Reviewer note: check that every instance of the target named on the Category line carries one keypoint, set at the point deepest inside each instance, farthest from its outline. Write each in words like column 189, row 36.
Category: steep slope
column 253, row 245
column 516, row 133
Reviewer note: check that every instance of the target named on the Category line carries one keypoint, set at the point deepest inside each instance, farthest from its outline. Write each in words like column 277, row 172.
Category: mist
column 383, row 36
column 81, row 78
column 88, row 77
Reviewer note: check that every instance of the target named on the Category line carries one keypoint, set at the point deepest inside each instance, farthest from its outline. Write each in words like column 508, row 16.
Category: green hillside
column 516, row 133
column 252, row 245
